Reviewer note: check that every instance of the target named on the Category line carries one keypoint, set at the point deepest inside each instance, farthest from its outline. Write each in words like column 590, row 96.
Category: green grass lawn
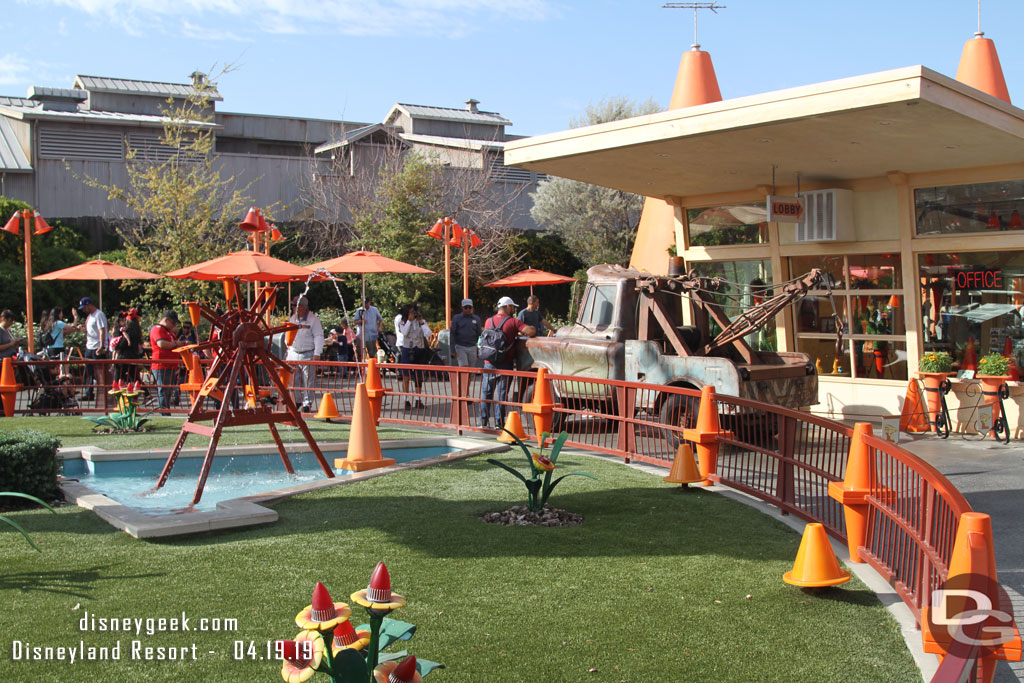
column 654, row 586
column 74, row 431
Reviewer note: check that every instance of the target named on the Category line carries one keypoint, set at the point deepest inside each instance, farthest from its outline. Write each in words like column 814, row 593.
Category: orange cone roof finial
column 980, row 67
column 696, row 83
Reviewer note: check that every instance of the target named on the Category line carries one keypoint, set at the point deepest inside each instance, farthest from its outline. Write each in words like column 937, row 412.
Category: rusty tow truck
column 630, row 327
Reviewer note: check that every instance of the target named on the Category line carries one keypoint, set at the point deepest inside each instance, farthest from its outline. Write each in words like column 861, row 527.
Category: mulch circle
column 521, row 515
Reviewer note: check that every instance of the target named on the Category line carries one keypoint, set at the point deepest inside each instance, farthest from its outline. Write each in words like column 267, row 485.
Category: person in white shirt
column 308, row 345
column 415, row 333
column 95, row 327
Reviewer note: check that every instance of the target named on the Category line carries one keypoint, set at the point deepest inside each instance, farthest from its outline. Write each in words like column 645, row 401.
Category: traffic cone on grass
column 684, row 469
column 328, row 410
column 513, row 424
column 816, row 564
column 363, row 444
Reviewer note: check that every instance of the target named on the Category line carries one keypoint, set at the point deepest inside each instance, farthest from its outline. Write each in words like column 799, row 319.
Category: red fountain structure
column 238, row 344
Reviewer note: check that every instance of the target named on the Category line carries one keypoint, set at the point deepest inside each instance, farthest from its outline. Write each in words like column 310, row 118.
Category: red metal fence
column 781, row 456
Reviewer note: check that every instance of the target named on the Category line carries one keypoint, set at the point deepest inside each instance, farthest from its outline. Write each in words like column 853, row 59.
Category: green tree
column 394, row 223
column 181, row 208
column 597, row 223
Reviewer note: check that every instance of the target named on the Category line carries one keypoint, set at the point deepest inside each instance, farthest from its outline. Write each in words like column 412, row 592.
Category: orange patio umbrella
column 248, row 266
column 531, row 277
column 364, row 262
column 100, row 270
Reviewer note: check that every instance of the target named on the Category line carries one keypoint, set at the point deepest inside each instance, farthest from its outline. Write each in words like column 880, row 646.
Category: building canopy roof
column 125, row 86
column 911, row 120
column 419, row 111
column 12, row 156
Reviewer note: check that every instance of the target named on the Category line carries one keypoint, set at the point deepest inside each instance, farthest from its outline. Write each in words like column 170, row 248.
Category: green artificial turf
column 654, row 586
column 74, row 431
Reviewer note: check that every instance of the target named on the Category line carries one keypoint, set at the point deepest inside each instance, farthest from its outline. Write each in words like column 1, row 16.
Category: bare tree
column 466, row 183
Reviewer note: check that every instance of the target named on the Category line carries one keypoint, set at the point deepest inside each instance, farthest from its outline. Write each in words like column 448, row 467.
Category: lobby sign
column 785, row 209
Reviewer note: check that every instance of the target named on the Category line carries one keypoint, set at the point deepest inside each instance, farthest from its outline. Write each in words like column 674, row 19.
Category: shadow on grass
column 79, row 583
column 618, row 522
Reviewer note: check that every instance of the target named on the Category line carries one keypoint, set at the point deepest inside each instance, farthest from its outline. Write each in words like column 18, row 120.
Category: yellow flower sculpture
column 378, row 596
column 345, row 636
column 301, row 656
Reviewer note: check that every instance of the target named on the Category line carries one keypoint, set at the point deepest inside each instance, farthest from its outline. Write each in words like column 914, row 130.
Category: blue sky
column 538, row 62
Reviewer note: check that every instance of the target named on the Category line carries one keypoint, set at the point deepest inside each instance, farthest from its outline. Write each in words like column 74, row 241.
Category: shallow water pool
column 131, row 482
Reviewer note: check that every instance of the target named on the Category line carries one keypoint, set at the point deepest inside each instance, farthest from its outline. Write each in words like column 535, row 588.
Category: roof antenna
column 980, row 33
column 713, row 6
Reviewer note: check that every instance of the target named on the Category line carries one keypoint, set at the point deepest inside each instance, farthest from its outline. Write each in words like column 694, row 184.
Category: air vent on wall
column 57, row 143
column 828, row 216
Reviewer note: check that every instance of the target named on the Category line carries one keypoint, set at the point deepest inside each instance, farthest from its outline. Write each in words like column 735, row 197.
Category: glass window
column 867, row 295
column 981, row 207
column 722, row 225
column 976, row 295
column 599, row 306
column 744, row 284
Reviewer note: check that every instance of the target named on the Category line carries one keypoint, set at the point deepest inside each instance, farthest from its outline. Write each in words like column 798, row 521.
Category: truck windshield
column 598, row 306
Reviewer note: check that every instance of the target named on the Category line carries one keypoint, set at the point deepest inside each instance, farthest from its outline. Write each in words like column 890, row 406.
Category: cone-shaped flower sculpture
column 345, row 636
column 322, row 614
column 392, row 672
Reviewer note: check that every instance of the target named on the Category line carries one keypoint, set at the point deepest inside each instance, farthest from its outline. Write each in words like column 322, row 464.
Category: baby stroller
column 386, row 342
column 48, row 390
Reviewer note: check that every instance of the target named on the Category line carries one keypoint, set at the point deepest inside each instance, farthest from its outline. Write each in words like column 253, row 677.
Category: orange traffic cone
column 816, row 564
column 912, row 417
column 363, row 444
column 542, row 406
column 972, row 567
column 684, row 468
column 327, row 411
column 8, row 387
column 374, row 388
column 515, row 425
column 289, row 335
column 193, row 313
column 970, row 359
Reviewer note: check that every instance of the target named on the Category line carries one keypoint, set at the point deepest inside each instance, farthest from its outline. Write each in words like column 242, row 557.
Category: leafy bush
column 28, row 462
column 994, row 364
column 936, row 362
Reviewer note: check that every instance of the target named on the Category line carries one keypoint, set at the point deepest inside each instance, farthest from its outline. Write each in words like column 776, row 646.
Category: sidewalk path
column 991, row 477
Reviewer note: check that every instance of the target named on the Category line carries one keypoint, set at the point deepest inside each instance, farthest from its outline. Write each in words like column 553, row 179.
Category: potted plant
column 993, row 371
column 874, row 322
column 934, row 368
column 676, row 263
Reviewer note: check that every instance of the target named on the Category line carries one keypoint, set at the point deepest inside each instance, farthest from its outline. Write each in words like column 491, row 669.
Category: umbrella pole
column 101, row 294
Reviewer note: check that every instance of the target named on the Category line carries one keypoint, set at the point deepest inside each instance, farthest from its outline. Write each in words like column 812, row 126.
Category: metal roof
column 21, row 108
column 12, row 157
column 419, row 111
column 36, row 92
column 353, row 135
column 145, row 88
column 461, row 143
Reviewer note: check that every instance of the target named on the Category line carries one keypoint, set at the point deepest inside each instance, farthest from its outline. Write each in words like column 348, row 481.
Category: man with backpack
column 497, row 348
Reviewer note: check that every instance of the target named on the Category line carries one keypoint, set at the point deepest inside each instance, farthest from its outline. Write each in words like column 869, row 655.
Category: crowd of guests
column 125, row 340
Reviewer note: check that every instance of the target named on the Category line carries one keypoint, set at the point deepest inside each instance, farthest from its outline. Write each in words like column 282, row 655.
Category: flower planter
column 932, row 381
column 990, row 390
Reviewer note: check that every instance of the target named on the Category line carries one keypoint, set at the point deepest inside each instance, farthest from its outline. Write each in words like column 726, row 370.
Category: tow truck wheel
column 674, row 413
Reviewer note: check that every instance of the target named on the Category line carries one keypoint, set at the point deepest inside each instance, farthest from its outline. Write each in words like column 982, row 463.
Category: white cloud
column 13, row 69
column 203, row 33
column 352, row 17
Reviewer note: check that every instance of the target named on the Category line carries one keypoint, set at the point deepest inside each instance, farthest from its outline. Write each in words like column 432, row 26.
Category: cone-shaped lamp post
column 442, row 230
column 30, row 219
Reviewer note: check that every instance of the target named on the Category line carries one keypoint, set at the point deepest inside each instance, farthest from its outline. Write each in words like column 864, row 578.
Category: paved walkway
column 991, row 477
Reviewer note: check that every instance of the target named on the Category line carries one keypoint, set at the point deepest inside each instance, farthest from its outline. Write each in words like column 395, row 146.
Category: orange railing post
column 852, row 492
column 706, row 434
